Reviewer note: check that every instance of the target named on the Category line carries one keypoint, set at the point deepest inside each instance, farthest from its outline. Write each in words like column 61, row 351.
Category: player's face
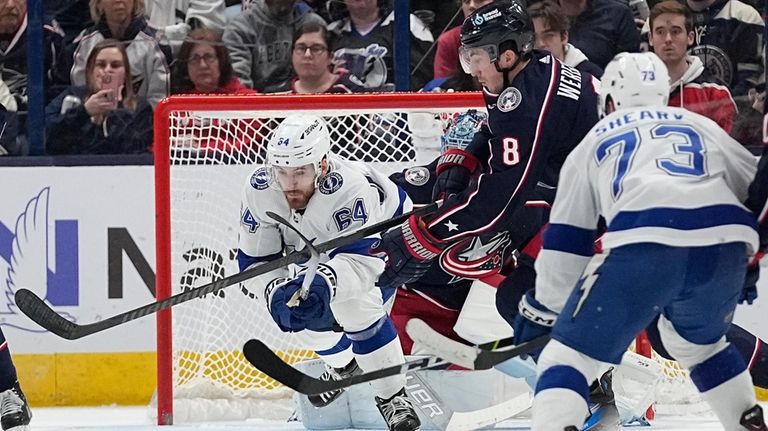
column 297, row 184
column 669, row 39
column 551, row 40
column 476, row 61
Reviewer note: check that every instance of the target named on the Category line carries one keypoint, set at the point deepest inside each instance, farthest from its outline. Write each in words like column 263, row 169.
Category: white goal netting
column 213, row 144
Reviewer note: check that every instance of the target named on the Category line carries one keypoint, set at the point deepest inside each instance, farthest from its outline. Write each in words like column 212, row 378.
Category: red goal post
column 232, row 129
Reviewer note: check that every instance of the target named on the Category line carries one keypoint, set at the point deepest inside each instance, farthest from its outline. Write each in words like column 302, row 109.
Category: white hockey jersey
column 349, row 197
column 663, row 175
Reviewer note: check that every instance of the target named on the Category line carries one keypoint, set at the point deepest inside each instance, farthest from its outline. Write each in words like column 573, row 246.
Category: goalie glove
column 409, row 249
column 313, row 312
column 533, row 321
column 454, row 170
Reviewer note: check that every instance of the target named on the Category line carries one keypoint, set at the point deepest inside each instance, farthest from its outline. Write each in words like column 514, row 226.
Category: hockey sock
column 7, row 369
column 725, row 385
column 754, row 351
column 378, row 347
column 562, row 390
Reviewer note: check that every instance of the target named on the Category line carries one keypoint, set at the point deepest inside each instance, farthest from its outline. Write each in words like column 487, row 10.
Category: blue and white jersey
column 662, row 175
column 348, row 198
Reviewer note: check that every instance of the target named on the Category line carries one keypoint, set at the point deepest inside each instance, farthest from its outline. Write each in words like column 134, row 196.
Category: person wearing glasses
column 204, row 67
column 311, row 60
column 259, row 41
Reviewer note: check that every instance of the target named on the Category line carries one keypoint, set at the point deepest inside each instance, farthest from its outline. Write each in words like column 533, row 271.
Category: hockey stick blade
column 263, row 358
column 471, row 357
column 37, row 310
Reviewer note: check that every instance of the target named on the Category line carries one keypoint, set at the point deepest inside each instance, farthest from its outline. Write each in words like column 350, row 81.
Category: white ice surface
column 136, row 419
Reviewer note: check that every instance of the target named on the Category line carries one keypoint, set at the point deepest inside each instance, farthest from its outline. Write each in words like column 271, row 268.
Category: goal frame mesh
column 242, row 104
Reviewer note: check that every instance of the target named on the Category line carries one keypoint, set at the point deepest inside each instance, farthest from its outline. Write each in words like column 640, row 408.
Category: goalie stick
column 42, row 314
column 263, row 358
column 476, row 358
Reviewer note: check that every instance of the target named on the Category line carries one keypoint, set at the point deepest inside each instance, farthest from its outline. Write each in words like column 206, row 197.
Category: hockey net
column 205, row 146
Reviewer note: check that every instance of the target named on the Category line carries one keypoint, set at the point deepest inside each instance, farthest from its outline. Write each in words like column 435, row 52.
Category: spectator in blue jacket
column 103, row 117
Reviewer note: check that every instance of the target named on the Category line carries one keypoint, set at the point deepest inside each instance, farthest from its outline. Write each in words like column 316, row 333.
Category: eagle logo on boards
column 25, row 261
column 260, row 179
column 509, row 99
column 331, row 183
column 418, row 176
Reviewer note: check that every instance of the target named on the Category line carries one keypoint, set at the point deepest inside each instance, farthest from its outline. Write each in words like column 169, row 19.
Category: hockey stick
column 263, row 358
column 302, row 293
column 477, row 358
column 37, row 310
column 472, row 420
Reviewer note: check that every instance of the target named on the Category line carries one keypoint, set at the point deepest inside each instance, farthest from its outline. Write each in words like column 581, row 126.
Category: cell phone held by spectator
column 70, row 102
column 108, row 82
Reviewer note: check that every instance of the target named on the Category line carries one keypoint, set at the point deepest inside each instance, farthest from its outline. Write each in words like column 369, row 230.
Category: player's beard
column 298, row 199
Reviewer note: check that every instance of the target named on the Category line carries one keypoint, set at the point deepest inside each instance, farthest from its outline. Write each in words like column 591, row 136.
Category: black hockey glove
column 454, row 171
column 409, row 249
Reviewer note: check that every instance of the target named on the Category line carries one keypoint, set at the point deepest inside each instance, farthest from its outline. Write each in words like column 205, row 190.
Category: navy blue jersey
column 758, row 199
column 532, row 126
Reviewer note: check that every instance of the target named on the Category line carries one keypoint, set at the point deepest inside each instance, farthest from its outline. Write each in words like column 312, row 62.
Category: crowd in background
column 109, row 62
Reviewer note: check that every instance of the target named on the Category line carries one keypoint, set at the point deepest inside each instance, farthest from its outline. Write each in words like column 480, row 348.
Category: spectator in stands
column 259, row 41
column 692, row 87
column 551, row 29
column 311, row 60
column 73, row 17
column 176, row 18
column 447, row 54
column 204, row 66
column 105, row 116
column 601, row 28
column 363, row 44
column 123, row 20
column 13, row 58
column 728, row 38
column 9, row 121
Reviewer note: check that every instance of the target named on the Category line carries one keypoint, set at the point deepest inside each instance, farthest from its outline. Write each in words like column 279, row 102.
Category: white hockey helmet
column 635, row 79
column 301, row 139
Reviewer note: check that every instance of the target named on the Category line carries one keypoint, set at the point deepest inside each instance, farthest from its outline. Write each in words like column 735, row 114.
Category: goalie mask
column 459, row 130
column 296, row 150
column 634, row 79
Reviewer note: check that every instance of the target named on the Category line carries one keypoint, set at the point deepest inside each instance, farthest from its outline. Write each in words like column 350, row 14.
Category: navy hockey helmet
column 499, row 26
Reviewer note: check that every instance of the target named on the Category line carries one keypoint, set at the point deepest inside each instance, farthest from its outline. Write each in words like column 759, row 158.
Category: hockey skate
column 14, row 410
column 398, row 412
column 752, row 419
column 325, row 398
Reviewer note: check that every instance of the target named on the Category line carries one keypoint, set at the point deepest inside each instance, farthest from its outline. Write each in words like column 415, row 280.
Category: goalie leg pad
column 634, row 384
